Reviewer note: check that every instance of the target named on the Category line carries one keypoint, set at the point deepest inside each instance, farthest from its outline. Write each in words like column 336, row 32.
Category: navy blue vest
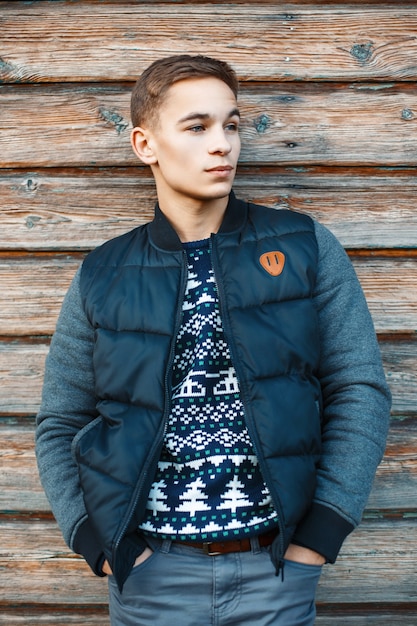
column 265, row 263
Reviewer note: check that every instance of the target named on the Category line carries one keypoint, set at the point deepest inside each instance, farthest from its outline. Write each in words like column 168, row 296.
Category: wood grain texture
column 78, row 209
column 32, row 290
column 375, row 565
column 396, row 479
column 56, row 616
column 33, row 286
column 44, row 570
column 20, row 490
column 345, row 616
column 318, row 41
column 363, row 617
column 287, row 124
column 22, row 368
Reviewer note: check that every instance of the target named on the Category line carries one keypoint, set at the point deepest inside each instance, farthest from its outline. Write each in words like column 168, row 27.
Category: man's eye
column 232, row 127
column 198, row 128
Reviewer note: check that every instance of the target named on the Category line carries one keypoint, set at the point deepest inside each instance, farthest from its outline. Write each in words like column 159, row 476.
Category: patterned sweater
column 208, row 484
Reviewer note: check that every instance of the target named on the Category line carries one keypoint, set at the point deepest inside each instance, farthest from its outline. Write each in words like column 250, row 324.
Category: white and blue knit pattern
column 208, row 484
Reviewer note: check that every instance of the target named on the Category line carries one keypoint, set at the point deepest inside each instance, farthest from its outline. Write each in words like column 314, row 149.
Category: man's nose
column 220, row 142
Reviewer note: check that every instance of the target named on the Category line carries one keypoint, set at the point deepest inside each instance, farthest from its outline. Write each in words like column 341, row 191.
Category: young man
column 214, row 405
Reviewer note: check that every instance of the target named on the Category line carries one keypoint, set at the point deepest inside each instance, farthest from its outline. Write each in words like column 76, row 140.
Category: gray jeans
column 182, row 585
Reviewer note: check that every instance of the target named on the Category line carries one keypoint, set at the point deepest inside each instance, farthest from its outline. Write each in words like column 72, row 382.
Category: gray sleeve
column 68, row 404
column 356, row 398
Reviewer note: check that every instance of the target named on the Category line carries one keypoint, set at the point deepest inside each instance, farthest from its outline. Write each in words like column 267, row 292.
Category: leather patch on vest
column 273, row 262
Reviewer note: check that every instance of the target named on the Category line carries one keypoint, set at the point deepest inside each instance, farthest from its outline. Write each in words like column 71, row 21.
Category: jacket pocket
column 75, row 446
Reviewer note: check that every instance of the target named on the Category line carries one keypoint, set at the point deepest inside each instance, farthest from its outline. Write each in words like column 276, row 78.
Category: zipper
column 247, row 414
column 156, row 448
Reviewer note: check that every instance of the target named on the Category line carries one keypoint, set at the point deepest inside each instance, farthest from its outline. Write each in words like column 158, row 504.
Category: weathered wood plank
column 85, row 125
column 21, row 376
column 368, row 615
column 79, row 209
column 395, row 484
column 400, row 364
column 51, row 615
column 311, row 42
column 375, row 565
column 390, row 287
column 57, row 616
column 22, row 367
column 19, row 479
column 33, row 287
column 394, row 489
column 45, row 570
column 75, row 210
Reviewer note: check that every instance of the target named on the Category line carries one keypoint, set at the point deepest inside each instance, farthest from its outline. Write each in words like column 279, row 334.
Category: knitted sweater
column 208, row 483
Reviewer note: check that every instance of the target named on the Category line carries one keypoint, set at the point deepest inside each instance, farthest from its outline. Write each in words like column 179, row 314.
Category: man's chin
column 217, row 193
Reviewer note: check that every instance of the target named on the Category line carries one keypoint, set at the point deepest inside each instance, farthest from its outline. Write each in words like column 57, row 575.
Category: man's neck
column 195, row 220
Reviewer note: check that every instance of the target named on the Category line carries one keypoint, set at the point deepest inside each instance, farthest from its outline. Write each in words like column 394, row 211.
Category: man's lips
column 221, row 168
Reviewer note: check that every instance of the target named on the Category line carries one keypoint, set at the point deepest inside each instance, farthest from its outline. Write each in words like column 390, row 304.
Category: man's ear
column 142, row 144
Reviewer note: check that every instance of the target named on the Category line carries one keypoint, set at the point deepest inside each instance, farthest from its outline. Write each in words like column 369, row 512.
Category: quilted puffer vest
column 265, row 263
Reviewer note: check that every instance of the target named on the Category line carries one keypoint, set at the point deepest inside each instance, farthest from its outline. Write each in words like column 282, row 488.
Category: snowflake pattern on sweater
column 208, row 483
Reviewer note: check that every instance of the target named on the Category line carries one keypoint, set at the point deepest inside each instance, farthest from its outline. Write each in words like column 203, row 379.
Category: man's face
column 196, row 143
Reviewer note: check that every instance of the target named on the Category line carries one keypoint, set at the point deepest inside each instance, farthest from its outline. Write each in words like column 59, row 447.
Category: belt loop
column 254, row 544
column 160, row 545
column 165, row 546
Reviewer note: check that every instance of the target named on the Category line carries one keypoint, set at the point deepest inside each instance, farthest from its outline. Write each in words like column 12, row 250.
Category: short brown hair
column 150, row 90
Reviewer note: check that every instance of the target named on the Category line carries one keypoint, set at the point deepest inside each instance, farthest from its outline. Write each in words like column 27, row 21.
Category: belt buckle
column 206, row 549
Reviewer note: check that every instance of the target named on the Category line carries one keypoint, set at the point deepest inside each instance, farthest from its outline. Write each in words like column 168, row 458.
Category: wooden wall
column 329, row 103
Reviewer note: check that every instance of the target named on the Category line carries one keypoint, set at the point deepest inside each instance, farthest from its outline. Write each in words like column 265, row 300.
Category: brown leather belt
column 214, row 548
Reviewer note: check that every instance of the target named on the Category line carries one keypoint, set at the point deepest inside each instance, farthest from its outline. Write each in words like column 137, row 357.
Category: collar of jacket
column 164, row 236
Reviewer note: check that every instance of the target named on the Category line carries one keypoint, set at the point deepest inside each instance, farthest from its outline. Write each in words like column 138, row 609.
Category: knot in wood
column 362, row 51
column 286, row 17
column 262, row 123
column 407, row 114
column 31, row 185
column 113, row 118
column 32, row 220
